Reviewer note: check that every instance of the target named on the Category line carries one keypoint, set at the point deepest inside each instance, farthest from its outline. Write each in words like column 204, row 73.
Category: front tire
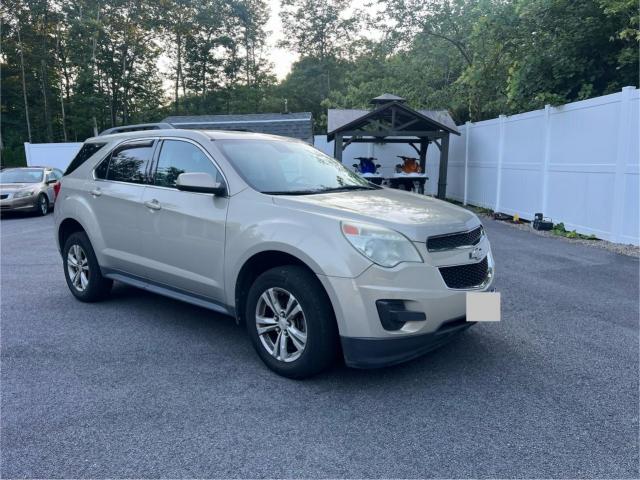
column 81, row 269
column 42, row 205
column 291, row 323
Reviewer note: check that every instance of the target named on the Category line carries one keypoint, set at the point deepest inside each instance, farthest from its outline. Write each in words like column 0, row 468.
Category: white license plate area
column 483, row 306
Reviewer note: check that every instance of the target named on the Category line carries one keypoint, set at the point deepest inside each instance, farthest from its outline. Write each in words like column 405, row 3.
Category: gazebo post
column 424, row 143
column 444, row 161
column 337, row 148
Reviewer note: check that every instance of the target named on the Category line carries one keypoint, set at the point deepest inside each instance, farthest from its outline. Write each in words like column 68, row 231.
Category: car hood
column 416, row 216
column 12, row 187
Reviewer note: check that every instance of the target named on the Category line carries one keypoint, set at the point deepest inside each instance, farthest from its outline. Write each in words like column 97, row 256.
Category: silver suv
column 315, row 260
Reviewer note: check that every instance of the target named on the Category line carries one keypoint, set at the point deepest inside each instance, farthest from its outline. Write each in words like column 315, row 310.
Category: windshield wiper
column 344, row 188
column 347, row 188
column 292, row 192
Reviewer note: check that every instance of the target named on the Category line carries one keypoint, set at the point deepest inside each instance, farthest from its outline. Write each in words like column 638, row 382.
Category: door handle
column 96, row 192
column 153, row 205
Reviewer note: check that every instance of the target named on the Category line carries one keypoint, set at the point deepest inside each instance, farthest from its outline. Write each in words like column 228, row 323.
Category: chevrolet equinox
column 313, row 259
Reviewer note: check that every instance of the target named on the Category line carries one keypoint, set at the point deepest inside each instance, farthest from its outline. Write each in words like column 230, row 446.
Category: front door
column 183, row 233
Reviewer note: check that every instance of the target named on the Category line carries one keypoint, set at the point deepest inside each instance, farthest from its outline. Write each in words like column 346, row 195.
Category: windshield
column 21, row 175
column 289, row 168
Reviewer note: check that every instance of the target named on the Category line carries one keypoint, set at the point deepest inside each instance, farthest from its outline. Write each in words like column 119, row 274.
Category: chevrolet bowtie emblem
column 476, row 254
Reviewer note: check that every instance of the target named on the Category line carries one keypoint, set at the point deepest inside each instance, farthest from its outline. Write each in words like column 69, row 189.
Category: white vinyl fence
column 577, row 163
column 56, row 155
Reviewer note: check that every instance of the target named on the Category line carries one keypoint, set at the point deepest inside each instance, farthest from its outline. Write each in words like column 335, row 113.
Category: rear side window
column 87, row 150
column 128, row 163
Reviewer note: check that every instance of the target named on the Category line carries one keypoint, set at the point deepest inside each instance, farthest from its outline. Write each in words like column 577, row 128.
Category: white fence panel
column 484, row 153
column 56, row 155
column 522, row 166
column 577, row 163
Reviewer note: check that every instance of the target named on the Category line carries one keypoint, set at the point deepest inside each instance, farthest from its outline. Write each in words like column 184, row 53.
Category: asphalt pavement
column 145, row 386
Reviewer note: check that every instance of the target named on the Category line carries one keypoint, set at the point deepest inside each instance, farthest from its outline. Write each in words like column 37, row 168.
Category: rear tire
column 81, row 269
column 310, row 342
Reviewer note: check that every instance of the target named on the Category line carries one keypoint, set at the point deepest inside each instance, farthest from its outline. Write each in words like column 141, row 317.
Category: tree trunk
column 45, row 104
column 64, row 117
column 24, row 89
column 125, row 50
column 93, row 74
column 178, row 72
column 44, row 78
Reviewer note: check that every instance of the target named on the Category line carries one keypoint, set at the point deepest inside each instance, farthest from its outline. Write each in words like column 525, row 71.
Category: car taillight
column 56, row 188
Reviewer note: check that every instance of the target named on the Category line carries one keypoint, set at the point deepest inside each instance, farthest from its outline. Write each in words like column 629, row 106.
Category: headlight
column 23, row 193
column 381, row 245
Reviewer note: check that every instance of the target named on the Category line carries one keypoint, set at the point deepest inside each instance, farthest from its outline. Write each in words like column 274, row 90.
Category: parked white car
column 315, row 260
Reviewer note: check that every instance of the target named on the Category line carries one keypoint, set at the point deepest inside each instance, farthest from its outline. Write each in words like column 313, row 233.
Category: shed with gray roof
column 294, row 125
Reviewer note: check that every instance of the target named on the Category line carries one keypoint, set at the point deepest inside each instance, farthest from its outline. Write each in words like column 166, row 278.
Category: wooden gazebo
column 392, row 121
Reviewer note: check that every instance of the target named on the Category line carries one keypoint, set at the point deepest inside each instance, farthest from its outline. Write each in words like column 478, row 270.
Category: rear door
column 115, row 195
column 183, row 233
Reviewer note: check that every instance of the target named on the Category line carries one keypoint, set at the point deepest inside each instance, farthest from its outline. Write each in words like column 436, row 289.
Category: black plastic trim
column 393, row 314
column 167, row 291
column 381, row 352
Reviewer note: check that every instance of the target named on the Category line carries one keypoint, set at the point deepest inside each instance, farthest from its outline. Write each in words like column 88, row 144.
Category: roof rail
column 136, row 128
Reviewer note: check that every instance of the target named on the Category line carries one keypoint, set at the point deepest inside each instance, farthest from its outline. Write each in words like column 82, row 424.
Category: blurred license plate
column 483, row 306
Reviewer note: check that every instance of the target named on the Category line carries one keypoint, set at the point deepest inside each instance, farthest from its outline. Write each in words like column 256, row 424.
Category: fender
column 76, row 207
column 316, row 250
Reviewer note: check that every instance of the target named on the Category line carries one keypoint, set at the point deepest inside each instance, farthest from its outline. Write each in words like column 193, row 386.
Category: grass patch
column 558, row 229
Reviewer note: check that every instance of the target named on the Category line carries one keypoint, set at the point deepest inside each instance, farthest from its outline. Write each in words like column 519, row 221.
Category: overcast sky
column 281, row 59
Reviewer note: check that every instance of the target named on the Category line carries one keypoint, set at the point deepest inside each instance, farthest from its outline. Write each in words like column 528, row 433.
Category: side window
column 101, row 170
column 53, row 175
column 87, row 150
column 128, row 163
column 178, row 157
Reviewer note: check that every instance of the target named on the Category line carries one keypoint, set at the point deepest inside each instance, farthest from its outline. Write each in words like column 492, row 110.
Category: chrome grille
column 465, row 276
column 454, row 240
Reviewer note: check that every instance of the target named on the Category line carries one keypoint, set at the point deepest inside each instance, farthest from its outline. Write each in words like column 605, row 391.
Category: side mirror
column 378, row 165
column 200, row 182
column 355, row 165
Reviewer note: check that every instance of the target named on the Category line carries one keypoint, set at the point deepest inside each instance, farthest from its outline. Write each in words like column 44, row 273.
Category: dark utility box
column 540, row 223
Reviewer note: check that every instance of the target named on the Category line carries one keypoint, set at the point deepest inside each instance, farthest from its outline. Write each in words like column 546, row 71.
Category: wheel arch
column 259, row 263
column 67, row 227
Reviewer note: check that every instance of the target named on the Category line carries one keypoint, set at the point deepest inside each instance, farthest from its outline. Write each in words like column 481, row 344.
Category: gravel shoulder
column 619, row 248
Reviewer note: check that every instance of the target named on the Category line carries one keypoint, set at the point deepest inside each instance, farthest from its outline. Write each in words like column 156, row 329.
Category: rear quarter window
column 87, row 150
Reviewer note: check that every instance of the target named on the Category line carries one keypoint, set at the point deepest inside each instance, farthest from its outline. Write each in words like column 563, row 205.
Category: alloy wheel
column 281, row 324
column 44, row 206
column 78, row 267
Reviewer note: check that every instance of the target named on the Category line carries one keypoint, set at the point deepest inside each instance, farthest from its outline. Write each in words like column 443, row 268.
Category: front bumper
column 382, row 352
column 11, row 204
column 421, row 288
